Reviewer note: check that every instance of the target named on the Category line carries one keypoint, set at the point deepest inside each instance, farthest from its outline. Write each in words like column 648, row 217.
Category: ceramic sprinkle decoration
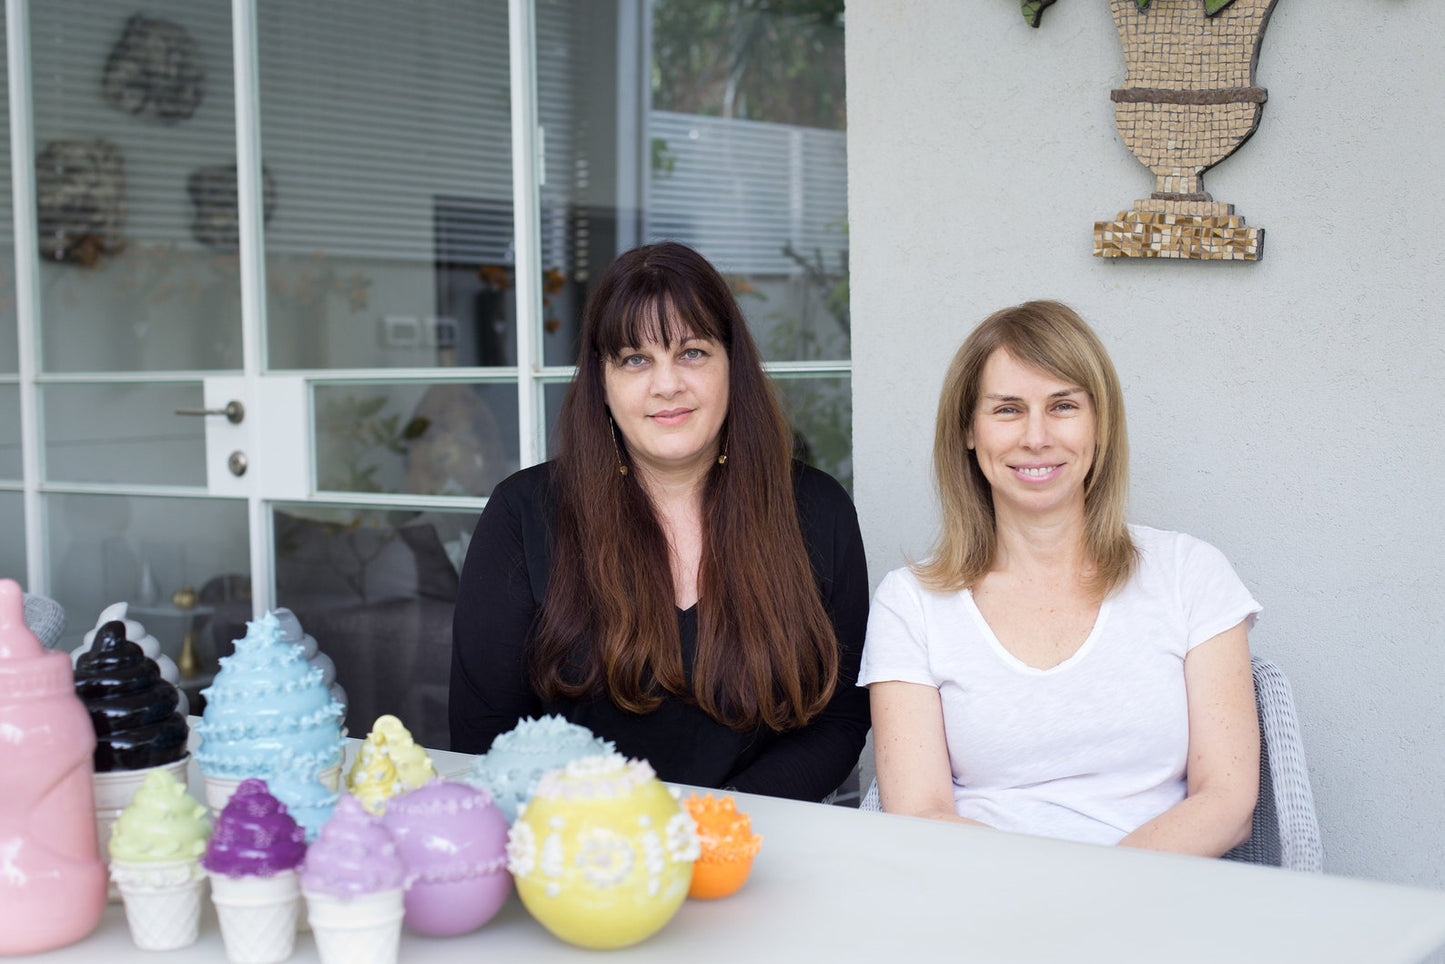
column 603, row 854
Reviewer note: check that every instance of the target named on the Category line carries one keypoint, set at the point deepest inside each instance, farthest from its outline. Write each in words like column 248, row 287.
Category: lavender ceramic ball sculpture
column 453, row 838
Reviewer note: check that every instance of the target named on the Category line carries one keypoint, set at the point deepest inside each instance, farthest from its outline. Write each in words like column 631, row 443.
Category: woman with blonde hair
column 672, row 580
column 1051, row 669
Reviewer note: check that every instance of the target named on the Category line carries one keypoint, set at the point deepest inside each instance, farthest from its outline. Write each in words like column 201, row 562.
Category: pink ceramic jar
column 52, row 891
column 453, row 839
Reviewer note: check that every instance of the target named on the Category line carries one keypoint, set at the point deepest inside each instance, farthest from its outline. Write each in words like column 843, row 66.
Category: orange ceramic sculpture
column 728, row 847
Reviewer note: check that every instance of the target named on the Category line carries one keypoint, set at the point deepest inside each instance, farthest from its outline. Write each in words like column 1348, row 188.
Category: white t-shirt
column 1089, row 749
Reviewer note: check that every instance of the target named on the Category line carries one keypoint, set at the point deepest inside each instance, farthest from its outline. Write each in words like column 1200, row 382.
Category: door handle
column 234, row 411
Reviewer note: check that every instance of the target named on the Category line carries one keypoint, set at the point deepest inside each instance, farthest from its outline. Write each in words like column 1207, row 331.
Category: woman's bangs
column 667, row 316
column 1052, row 353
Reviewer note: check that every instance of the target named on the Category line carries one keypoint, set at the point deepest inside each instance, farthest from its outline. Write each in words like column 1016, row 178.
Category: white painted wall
column 1287, row 411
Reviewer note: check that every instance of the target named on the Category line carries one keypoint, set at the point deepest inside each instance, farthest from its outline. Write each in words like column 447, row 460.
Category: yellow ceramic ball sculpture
column 602, row 853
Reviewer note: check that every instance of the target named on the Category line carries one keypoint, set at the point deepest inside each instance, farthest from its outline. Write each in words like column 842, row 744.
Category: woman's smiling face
column 669, row 401
column 1034, row 437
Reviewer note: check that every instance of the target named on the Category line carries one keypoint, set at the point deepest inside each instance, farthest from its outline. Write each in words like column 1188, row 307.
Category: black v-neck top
column 503, row 586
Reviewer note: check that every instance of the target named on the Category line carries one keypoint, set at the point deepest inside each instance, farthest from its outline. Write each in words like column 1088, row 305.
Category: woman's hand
column 914, row 776
column 1223, row 763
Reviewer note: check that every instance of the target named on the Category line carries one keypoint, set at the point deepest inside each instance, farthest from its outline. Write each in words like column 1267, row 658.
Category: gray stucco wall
column 1288, row 411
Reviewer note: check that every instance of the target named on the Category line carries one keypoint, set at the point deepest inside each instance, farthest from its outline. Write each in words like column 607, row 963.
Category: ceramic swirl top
column 265, row 705
column 162, row 823
column 254, row 835
column 132, row 709
column 354, row 855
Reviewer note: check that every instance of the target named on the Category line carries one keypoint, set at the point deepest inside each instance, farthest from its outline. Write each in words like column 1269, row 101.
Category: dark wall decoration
column 213, row 196
column 80, row 201
column 1188, row 101
column 155, row 70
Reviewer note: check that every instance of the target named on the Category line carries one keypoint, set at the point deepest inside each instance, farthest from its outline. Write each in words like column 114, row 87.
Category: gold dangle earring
column 612, row 430
column 722, row 458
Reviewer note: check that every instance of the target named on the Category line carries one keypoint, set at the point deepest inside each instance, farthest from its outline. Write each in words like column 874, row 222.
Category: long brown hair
column 1052, row 338
column 766, row 651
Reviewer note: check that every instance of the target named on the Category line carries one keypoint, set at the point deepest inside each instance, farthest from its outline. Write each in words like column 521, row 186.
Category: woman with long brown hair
column 1052, row 669
column 672, row 580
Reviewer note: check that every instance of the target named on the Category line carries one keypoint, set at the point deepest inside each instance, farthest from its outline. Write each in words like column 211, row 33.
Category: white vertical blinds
column 565, row 161
column 373, row 111
column 370, row 111
column 740, row 191
column 71, row 41
column 378, row 118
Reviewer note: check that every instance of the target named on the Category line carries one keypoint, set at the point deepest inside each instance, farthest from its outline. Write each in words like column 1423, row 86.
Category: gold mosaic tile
column 1187, row 102
column 1160, row 234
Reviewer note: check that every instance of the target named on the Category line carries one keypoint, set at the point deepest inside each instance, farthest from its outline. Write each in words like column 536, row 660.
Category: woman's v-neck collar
column 1019, row 665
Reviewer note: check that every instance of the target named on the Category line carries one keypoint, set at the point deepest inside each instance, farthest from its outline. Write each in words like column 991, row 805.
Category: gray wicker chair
column 46, row 619
column 1286, row 833
column 871, row 802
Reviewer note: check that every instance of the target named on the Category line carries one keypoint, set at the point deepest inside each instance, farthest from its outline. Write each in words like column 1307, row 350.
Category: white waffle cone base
column 357, row 930
column 219, row 791
column 257, row 916
column 164, row 918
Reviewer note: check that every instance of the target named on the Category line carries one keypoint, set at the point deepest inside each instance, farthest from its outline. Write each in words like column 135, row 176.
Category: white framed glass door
column 373, row 225
column 121, row 316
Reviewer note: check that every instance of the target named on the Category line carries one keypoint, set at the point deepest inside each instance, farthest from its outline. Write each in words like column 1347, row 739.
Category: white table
column 833, row 884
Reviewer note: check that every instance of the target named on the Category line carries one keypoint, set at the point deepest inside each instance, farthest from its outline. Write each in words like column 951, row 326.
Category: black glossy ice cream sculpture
column 132, row 709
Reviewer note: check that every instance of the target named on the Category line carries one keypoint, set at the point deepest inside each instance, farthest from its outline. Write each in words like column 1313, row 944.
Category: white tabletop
column 835, row 884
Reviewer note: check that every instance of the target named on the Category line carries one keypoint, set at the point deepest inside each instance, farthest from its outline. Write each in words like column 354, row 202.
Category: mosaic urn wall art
column 1188, row 101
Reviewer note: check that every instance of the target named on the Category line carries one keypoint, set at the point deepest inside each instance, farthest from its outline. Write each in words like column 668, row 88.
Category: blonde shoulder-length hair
column 1050, row 337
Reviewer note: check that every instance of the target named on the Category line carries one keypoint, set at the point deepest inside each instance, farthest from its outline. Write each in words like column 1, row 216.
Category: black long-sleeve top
column 504, row 585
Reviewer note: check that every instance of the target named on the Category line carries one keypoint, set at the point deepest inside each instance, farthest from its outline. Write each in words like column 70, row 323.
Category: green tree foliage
column 766, row 60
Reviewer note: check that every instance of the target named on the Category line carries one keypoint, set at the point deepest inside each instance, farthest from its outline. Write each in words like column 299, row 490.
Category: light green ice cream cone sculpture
column 155, row 853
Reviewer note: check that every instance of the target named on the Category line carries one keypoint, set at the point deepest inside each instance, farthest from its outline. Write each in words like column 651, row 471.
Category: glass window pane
column 418, row 438
column 376, row 589
column 552, row 396
column 106, row 549
column 135, row 139
column 124, row 433
column 12, row 549
column 8, row 352
column 821, row 413
column 387, row 133
column 10, row 456
column 739, row 151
